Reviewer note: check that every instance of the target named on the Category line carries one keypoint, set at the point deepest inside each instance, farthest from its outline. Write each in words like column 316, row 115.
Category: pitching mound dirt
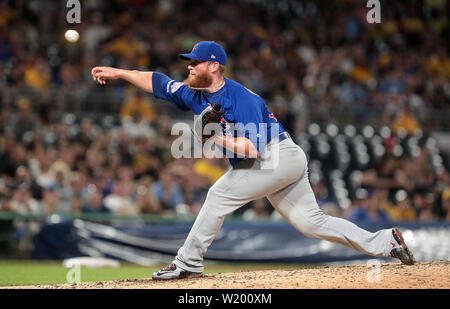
column 425, row 275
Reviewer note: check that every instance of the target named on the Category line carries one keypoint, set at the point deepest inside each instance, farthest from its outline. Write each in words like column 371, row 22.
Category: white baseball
column 72, row 35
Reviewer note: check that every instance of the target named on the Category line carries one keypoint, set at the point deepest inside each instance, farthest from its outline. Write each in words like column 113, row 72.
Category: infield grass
column 32, row 272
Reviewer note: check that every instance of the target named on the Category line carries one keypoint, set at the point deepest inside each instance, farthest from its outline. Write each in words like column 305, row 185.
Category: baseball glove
column 208, row 122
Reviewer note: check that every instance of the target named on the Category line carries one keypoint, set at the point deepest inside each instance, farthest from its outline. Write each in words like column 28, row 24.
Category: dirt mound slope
column 423, row 275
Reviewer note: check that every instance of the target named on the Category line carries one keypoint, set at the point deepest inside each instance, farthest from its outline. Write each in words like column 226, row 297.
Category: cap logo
column 195, row 47
column 213, row 57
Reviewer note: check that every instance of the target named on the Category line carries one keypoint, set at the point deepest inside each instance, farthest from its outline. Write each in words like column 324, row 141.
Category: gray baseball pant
column 281, row 176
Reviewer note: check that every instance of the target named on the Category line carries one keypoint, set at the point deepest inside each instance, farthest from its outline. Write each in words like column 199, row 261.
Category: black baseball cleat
column 400, row 250
column 173, row 272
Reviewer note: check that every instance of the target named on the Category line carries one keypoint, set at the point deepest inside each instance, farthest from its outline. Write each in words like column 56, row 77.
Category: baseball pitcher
column 265, row 162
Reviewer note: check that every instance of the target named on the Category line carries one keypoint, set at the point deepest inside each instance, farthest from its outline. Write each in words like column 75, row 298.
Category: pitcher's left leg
column 218, row 204
column 297, row 204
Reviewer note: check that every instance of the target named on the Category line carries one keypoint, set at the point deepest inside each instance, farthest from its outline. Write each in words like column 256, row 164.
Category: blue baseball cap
column 206, row 51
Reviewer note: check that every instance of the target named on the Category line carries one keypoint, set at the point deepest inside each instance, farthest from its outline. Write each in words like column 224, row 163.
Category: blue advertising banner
column 149, row 244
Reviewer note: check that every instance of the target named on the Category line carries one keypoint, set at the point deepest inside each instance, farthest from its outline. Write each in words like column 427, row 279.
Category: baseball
column 72, row 35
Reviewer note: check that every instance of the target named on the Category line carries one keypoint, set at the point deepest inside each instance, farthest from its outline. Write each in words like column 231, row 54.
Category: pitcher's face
column 199, row 74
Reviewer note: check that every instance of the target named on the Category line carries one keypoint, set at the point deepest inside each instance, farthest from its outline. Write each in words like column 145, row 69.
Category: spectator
column 96, row 32
column 23, row 120
column 76, row 204
column 388, row 174
column 195, row 180
column 285, row 116
column 406, row 121
column 420, row 171
column 23, row 176
column 51, row 201
column 167, row 191
column 37, row 74
column 120, row 202
column 136, row 126
column 258, row 211
column 78, row 183
column 366, row 210
column 146, row 199
column 324, row 200
column 384, row 202
column 22, row 202
column 209, row 168
column 95, row 203
column 439, row 62
column 64, row 191
column 40, row 164
column 145, row 162
column 138, row 104
column 426, row 211
column 298, row 102
column 403, row 211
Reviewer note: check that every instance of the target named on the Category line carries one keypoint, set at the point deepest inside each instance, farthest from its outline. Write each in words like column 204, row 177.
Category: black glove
column 212, row 114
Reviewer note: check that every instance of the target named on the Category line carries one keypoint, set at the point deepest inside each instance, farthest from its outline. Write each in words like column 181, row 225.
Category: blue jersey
column 246, row 113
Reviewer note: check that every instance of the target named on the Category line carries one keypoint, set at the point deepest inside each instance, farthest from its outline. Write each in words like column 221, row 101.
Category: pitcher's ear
column 215, row 65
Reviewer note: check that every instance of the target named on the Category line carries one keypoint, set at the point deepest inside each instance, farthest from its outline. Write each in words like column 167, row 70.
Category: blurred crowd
column 125, row 170
column 308, row 59
column 319, row 59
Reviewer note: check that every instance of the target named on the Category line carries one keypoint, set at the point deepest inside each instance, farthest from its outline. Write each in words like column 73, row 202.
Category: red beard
column 202, row 80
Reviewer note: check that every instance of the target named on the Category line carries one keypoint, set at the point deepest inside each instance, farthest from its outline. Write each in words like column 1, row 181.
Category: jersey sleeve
column 252, row 126
column 173, row 91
